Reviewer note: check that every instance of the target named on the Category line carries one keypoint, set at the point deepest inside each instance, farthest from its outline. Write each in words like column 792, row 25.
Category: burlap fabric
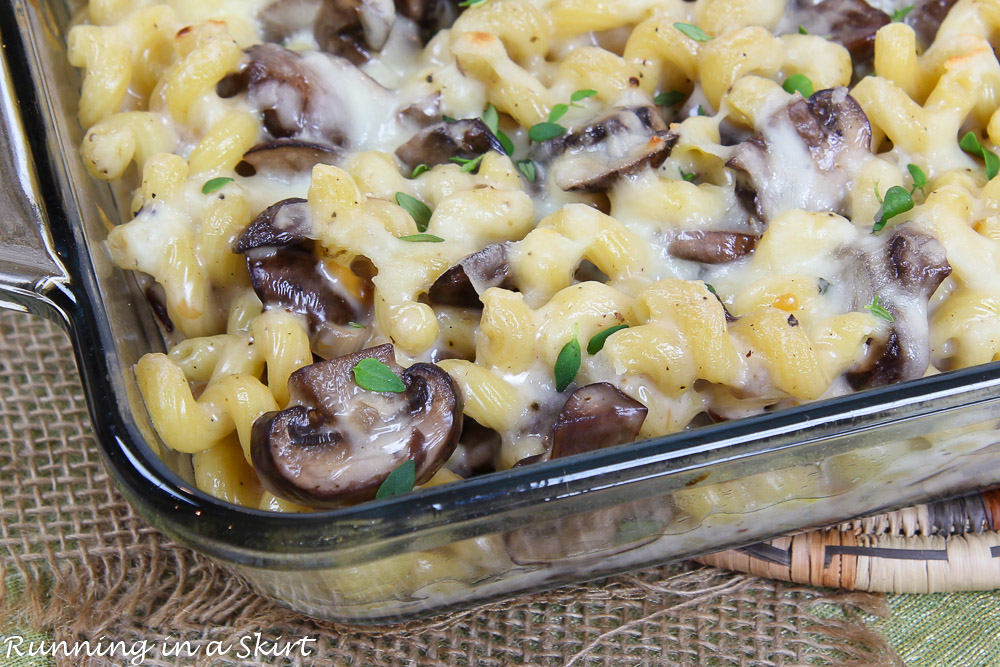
column 79, row 564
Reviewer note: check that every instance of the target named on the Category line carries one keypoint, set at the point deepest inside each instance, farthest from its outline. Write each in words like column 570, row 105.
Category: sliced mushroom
column 292, row 278
column 337, row 442
column 926, row 18
column 594, row 417
column 850, row 23
column 310, row 95
column 429, row 15
column 462, row 284
column 283, row 158
column 442, row 141
column 823, row 141
column 711, row 247
column 353, row 29
column 903, row 272
column 285, row 223
column 621, row 143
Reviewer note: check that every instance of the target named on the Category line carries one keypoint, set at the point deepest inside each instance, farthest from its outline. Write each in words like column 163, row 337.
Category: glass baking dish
column 455, row 546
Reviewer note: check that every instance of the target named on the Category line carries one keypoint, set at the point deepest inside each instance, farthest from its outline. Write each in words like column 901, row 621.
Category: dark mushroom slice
column 711, row 247
column 282, row 158
column 307, row 95
column 286, row 223
column 337, row 442
column 926, row 18
column 834, row 138
column 622, row 143
column 438, row 143
column 476, row 451
column 293, row 278
column 903, row 273
column 429, row 15
column 596, row 416
column 462, row 284
column 850, row 23
column 353, row 29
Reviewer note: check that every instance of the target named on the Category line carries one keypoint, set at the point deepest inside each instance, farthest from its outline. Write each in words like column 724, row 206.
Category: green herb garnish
column 803, row 31
column 545, row 131
column 900, row 14
column 582, row 95
column 970, row 144
column 669, row 98
column 416, row 208
column 798, row 83
column 373, row 375
column 596, row 343
column 527, row 167
column 468, row 165
column 701, row 111
column 568, row 363
column 558, row 111
column 356, row 325
column 688, row 176
column 693, row 31
column 419, row 169
column 448, row 119
column 878, row 310
column 492, row 120
column 421, row 238
column 896, row 200
column 919, row 177
column 215, row 184
column 470, row 3
column 400, row 481
column 711, row 289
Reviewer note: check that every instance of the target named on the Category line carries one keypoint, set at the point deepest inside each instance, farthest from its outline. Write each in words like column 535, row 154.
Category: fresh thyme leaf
column 711, row 288
column 545, row 131
column 582, row 95
column 508, row 145
column 669, row 98
column 468, row 165
column 701, row 111
column 693, row 31
column 373, row 375
column 419, row 169
column 919, row 177
column 970, row 144
column 803, row 31
column 416, row 208
column 878, row 310
column 356, row 325
column 896, row 200
column 798, row 83
column 596, row 343
column 527, row 167
column 558, row 111
column 215, row 184
column 491, row 118
column 421, row 238
column 400, row 481
column 470, row 3
column 900, row 14
column 688, row 176
column 567, row 363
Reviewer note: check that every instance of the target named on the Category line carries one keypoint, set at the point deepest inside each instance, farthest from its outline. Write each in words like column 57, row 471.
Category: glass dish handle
column 30, row 269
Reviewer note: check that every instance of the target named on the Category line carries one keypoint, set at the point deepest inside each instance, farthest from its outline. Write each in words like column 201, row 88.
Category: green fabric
column 944, row 629
column 15, row 588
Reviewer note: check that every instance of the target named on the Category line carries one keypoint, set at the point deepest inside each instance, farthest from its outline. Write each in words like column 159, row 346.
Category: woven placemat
column 77, row 564
column 950, row 545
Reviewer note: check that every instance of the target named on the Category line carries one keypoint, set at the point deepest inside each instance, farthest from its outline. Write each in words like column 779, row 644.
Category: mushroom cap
column 337, row 442
column 596, row 416
column 462, row 284
column 285, row 223
column 711, row 247
column 438, row 143
column 594, row 157
column 850, row 23
column 286, row 157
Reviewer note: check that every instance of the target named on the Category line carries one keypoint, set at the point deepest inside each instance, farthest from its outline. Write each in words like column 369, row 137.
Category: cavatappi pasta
column 527, row 228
